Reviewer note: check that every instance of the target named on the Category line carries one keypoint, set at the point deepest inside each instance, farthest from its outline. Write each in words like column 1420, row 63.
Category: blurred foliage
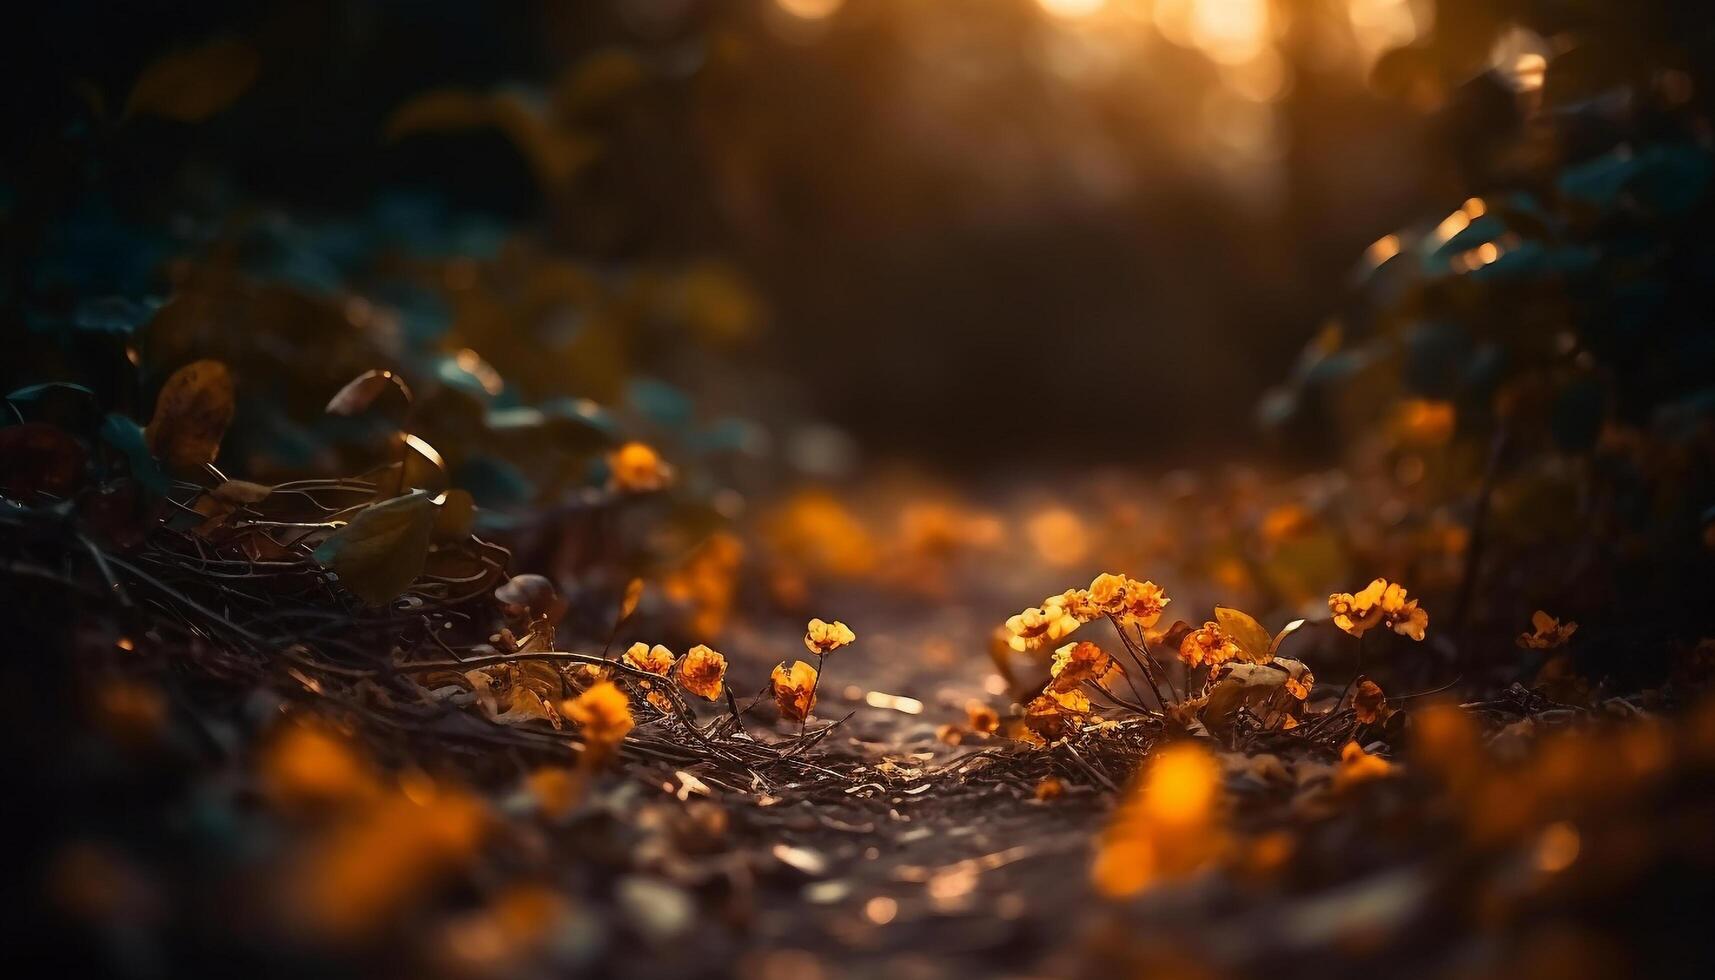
column 1538, row 362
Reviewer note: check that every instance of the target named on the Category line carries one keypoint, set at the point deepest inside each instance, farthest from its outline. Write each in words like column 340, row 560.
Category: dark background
column 956, row 271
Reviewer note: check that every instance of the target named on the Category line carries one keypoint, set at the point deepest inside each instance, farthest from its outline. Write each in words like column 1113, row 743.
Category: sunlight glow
column 1380, row 25
column 1071, row 8
column 810, row 9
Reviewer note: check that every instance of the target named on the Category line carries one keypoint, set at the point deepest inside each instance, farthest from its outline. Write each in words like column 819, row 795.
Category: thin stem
column 1142, row 663
column 1165, row 676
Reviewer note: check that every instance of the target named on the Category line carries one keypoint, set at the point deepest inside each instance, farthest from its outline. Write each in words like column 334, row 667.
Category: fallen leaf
column 191, row 415
column 381, row 552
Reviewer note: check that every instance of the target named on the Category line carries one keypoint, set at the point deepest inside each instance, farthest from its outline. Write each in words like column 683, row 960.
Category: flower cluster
column 701, row 670
column 655, row 659
column 1379, row 603
column 1129, row 601
column 1133, row 602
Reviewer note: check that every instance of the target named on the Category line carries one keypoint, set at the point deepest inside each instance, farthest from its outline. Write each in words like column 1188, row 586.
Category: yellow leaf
column 191, row 415
column 381, row 552
column 194, row 84
column 1247, row 633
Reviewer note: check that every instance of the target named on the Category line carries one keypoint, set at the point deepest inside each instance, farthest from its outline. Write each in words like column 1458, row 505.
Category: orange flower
column 1380, row 602
column 824, row 638
column 1168, row 825
column 1107, row 590
column 1137, row 602
column 1420, row 422
column 636, row 467
column 603, row 715
column 981, row 717
column 1076, row 663
column 655, row 659
column 1548, row 632
column 794, row 690
column 1052, row 713
column 1357, row 766
column 702, row 672
column 1208, row 646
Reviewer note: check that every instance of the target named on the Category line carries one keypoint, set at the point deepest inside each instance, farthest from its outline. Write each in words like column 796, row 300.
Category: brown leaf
column 191, row 415
column 363, row 392
column 1368, row 702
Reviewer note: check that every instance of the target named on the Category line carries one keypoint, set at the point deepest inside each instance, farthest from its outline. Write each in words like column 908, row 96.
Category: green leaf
column 381, row 552
column 1247, row 632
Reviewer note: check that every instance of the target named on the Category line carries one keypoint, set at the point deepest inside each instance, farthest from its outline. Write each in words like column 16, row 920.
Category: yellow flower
column 1380, row 602
column 794, row 690
column 1357, row 613
column 824, row 638
column 1208, row 646
column 1075, row 603
column 702, row 671
column 636, row 467
column 655, row 659
column 1035, row 627
column 1076, row 663
column 1549, row 632
column 603, row 715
